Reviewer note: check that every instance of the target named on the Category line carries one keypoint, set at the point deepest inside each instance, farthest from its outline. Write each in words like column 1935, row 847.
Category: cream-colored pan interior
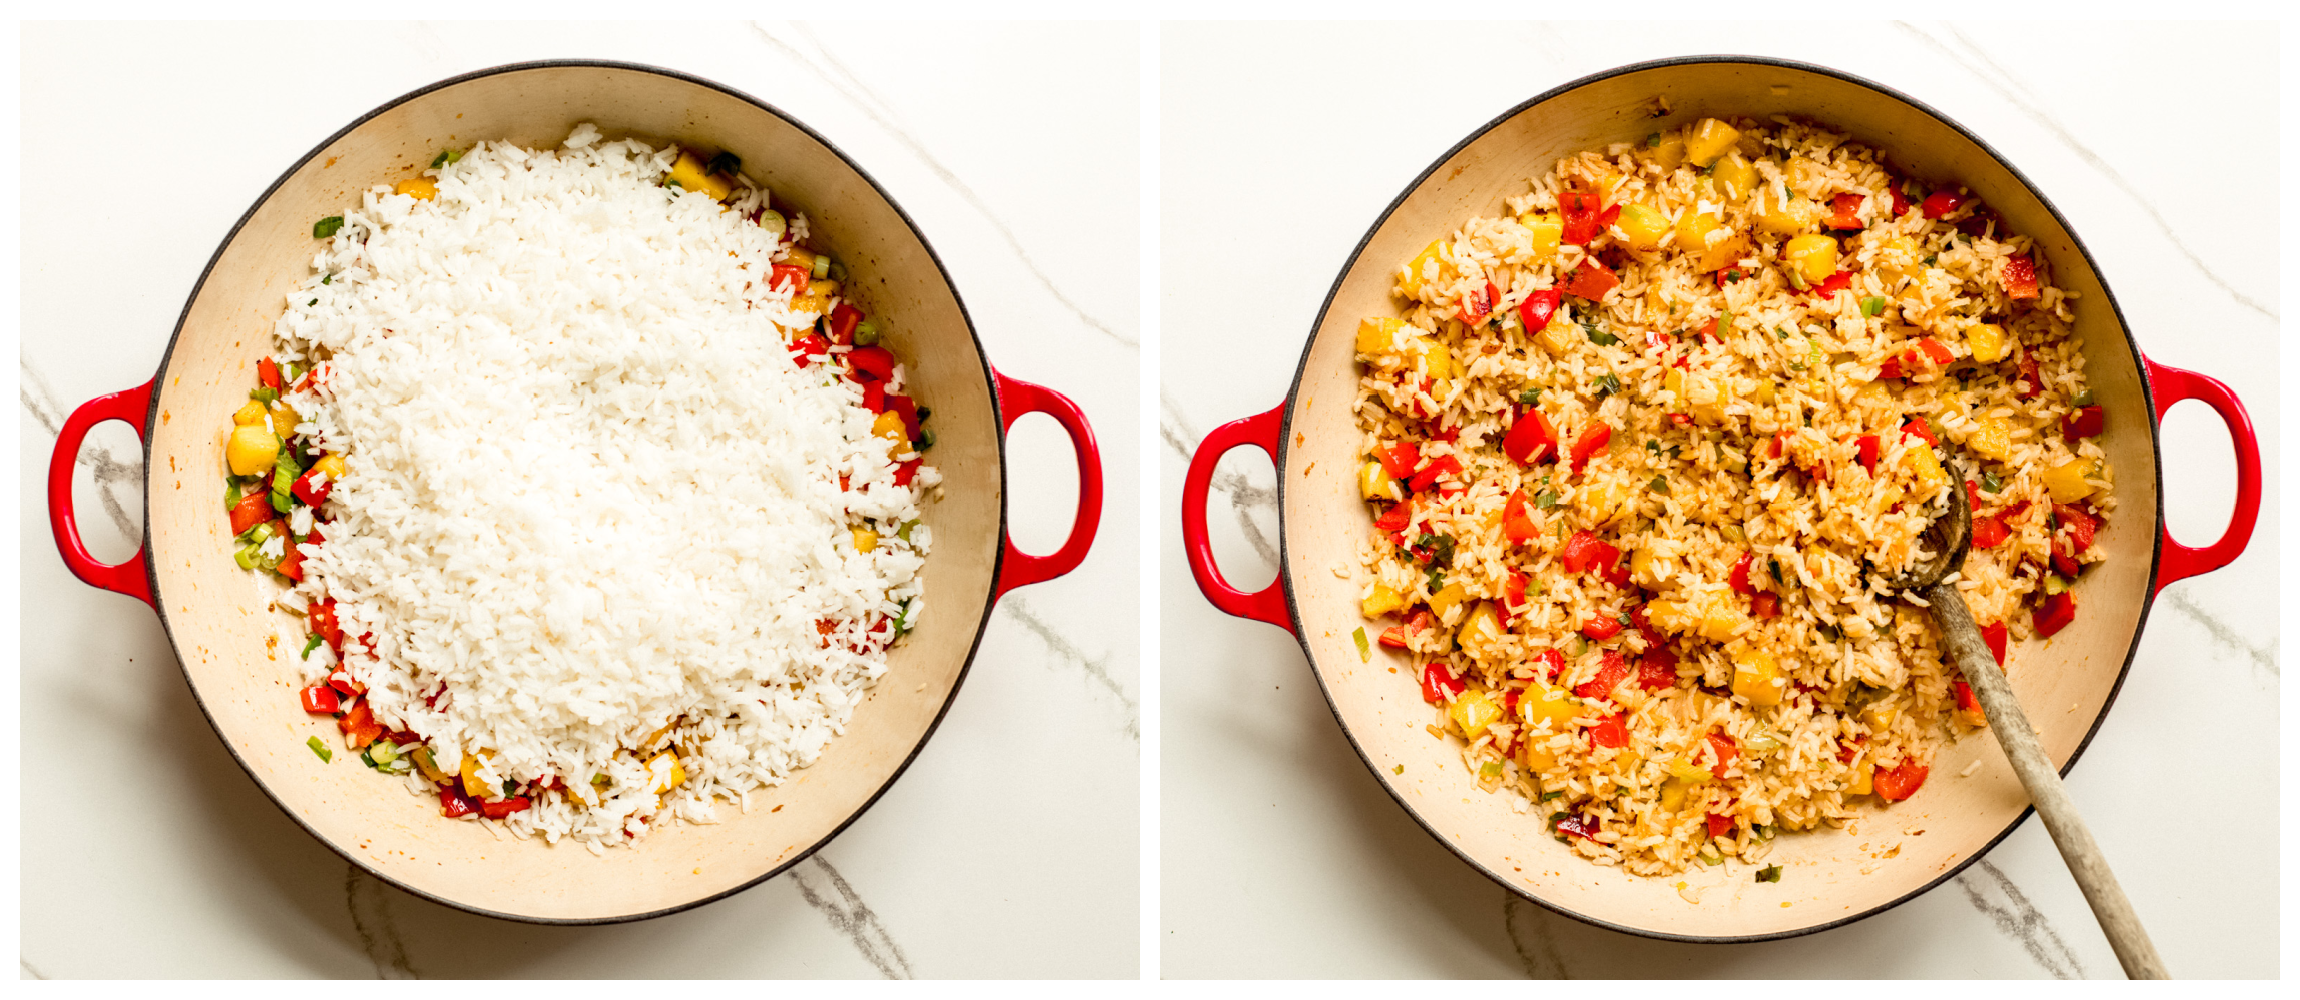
column 1832, row 875
column 237, row 652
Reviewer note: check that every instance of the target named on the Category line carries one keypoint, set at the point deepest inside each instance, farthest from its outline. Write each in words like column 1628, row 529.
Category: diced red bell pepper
column 1727, row 750
column 1942, row 202
column 1656, row 668
column 1531, row 439
column 2079, row 526
column 1835, row 283
column 1578, row 825
column 453, row 804
column 1847, row 751
column 1584, row 550
column 874, row 396
column 1738, row 576
column 1552, row 662
column 1870, row 450
column 807, row 347
column 2086, row 422
column 1478, row 304
column 2055, row 613
column 344, row 682
column 504, row 807
column 906, row 471
column 1966, row 701
column 1516, row 526
column 784, row 276
column 1765, row 605
column 252, row 510
column 1720, row 826
column 1600, row 628
column 1579, row 211
column 1590, row 281
column 906, row 408
column 843, row 319
column 1592, row 441
column 1612, row 731
column 1891, row 369
column 1936, row 351
column 1399, row 460
column 1845, row 211
column 1395, row 518
column 2020, row 278
column 1611, row 671
column 1393, row 637
column 1989, row 532
column 1428, row 476
column 1440, row 686
column 2032, row 382
column 1900, row 198
column 1616, row 574
column 1538, row 307
column 1901, row 781
column 1513, row 590
column 312, row 487
column 1996, row 635
column 872, row 362
column 320, row 699
column 321, row 618
column 268, row 373
column 291, row 559
column 1917, row 427
column 359, row 723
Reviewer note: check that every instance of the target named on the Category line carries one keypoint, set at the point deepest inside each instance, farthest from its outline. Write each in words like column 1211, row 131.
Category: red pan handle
column 1260, row 430
column 128, row 407
column 1015, row 398
column 2171, row 385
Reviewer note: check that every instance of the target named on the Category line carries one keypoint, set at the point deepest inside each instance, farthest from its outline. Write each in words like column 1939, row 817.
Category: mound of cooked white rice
column 1644, row 451
column 594, row 510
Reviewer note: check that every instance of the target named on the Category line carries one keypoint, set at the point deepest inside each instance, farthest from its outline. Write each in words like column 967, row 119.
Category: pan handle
column 2178, row 562
column 130, row 407
column 1021, row 569
column 1260, row 430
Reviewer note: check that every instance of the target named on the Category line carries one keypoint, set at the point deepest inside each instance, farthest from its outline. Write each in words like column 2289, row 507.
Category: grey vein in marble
column 2262, row 656
column 1096, row 667
column 371, row 919
column 828, row 892
column 853, row 89
column 2083, row 152
column 1537, row 951
column 1245, row 497
column 1998, row 899
column 113, row 475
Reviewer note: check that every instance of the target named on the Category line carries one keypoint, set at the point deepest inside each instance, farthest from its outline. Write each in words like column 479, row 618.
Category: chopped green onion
column 1930, row 258
column 2053, row 584
column 232, row 494
column 725, row 163
column 1599, row 337
column 1365, row 649
column 925, row 438
column 1733, row 533
column 265, row 395
column 312, row 645
column 2084, row 396
column 1546, row 796
column 1711, row 859
column 838, row 271
column 673, row 182
column 925, row 412
column 1653, row 141
column 1660, row 484
column 1608, row 383
column 1580, row 646
column 822, row 266
column 1992, row 483
column 1764, row 831
column 1772, row 873
column 1545, row 499
column 1873, row 305
column 904, row 534
column 325, row 755
column 1775, row 566
column 509, row 787
column 902, row 623
column 1724, row 324
column 326, row 279
column 866, row 333
column 313, row 302
column 326, row 227
column 1529, row 397
column 246, row 556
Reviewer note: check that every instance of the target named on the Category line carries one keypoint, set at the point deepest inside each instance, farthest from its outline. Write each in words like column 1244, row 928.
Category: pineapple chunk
column 1542, row 703
column 1721, row 617
column 1864, row 782
column 665, row 773
column 1987, row 341
column 1709, row 140
column 1547, row 230
column 2066, row 481
column 1668, row 153
column 1757, row 677
column 1812, row 255
column 1673, row 616
column 1734, row 177
column 1480, row 632
column 251, row 450
column 865, row 539
column 1641, row 227
column 1376, row 483
column 1378, row 335
column 1786, row 217
column 1879, row 716
column 252, row 413
column 1992, row 439
column 1418, row 271
column 418, row 188
column 1605, row 503
column 1557, row 338
column 689, row 173
column 1446, row 600
column 1473, row 711
column 1928, row 466
column 816, row 299
column 1382, row 601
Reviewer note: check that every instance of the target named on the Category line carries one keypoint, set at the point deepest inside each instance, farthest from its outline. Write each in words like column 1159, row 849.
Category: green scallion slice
column 312, row 645
column 925, row 438
column 866, row 333
column 1653, row 141
column 1771, row 873
column 1660, row 484
column 822, row 266
column 1992, row 483
column 326, row 227
column 925, row 412
column 1365, row 649
column 325, row 755
column 1546, row 796
column 838, row 272
column 2084, row 397
column 904, row 534
column 265, row 395
column 1873, row 305
column 1545, row 499
column 1580, row 646
column 245, row 557
column 327, row 279
column 232, row 494
column 1529, row 397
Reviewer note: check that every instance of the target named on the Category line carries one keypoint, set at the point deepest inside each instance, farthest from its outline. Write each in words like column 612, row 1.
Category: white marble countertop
column 1281, row 856
column 1007, row 849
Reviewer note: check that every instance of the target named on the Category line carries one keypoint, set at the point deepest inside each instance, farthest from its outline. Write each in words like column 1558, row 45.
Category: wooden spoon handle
column 2085, row 861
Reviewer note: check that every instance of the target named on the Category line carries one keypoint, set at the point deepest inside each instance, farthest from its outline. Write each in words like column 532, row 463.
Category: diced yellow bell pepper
column 1641, row 227
column 1734, row 177
column 1418, row 270
column 1987, row 341
column 1446, row 600
column 1604, row 502
column 1382, row 601
column 689, row 172
column 253, row 413
column 1813, row 255
column 1376, row 483
column 1547, row 230
column 2066, row 481
column 1992, row 438
column 1704, row 396
column 1480, row 631
column 1683, row 770
column 1379, row 334
column 865, row 539
column 251, row 450
column 1641, row 567
column 1708, row 141
column 419, row 188
column 1757, row 677
column 1472, row 711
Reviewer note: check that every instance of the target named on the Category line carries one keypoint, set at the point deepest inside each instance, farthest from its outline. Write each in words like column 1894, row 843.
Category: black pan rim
column 998, row 557
column 1301, row 371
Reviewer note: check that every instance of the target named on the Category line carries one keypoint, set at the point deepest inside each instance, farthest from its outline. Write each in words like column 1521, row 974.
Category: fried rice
column 1645, row 451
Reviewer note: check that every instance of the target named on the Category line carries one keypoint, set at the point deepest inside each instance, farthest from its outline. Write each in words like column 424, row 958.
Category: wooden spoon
column 1951, row 536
